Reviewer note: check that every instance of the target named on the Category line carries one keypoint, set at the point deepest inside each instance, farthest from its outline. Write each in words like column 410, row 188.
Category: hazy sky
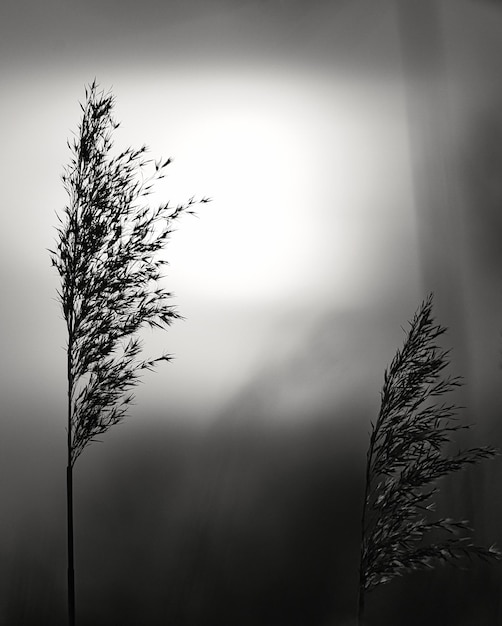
column 349, row 147
column 291, row 119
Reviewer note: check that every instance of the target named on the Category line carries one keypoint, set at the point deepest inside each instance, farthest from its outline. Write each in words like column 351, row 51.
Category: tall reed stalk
column 407, row 455
column 107, row 257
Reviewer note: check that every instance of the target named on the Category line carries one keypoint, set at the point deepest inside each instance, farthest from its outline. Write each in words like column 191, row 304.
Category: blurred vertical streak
column 439, row 218
column 444, row 227
column 439, row 226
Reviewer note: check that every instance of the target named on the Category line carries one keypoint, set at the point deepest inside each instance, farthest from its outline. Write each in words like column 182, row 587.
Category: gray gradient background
column 353, row 152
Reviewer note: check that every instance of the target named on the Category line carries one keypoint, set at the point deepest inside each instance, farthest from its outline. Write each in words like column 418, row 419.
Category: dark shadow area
column 240, row 523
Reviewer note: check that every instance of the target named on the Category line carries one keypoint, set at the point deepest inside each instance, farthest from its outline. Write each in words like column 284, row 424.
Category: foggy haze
column 352, row 151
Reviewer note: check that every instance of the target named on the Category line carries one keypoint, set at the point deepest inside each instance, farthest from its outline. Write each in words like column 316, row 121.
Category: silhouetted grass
column 408, row 453
column 108, row 262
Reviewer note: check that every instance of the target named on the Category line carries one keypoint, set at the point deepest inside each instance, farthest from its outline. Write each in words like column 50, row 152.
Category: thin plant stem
column 69, row 490
column 360, row 591
column 71, row 566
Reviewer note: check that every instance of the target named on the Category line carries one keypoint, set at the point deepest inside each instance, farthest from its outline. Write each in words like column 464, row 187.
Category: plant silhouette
column 107, row 257
column 407, row 454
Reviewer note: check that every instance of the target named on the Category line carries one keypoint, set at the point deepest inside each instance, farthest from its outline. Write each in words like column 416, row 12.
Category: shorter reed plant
column 409, row 451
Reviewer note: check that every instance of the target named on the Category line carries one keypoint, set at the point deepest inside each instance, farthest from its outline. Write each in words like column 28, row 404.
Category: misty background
column 353, row 151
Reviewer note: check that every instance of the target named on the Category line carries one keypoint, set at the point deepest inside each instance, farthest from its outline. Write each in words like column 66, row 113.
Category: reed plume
column 407, row 455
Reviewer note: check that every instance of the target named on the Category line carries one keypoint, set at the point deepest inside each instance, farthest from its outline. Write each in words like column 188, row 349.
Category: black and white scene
column 251, row 313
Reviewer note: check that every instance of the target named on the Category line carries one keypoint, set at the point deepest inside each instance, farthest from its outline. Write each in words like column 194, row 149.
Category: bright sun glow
column 311, row 208
column 295, row 170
